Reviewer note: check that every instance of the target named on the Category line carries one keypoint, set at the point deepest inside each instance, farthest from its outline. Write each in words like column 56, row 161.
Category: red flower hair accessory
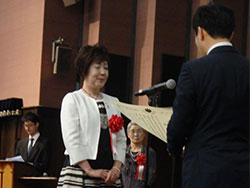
column 141, row 159
column 115, row 123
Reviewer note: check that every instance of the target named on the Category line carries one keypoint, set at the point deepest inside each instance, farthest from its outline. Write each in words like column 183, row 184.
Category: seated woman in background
column 134, row 170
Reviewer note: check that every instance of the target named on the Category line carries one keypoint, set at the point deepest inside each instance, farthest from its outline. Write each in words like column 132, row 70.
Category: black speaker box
column 63, row 59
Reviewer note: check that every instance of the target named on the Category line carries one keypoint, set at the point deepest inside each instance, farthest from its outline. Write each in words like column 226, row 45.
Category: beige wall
column 21, row 35
column 27, row 30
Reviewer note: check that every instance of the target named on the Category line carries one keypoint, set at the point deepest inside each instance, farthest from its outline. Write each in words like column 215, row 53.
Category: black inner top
column 104, row 158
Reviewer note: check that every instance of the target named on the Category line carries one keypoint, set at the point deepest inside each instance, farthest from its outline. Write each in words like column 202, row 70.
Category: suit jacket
column 39, row 153
column 211, row 119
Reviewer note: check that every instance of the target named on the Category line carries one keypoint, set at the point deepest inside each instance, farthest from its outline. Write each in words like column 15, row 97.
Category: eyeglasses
column 28, row 125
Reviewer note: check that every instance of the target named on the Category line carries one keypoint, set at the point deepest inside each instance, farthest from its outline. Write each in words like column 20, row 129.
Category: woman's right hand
column 97, row 173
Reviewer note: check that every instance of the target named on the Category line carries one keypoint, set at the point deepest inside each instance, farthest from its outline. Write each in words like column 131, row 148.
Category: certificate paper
column 15, row 159
column 153, row 119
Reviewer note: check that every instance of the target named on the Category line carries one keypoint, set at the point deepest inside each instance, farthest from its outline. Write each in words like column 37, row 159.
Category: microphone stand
column 152, row 101
column 173, row 171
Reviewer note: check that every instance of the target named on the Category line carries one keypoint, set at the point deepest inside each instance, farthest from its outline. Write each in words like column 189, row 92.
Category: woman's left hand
column 113, row 175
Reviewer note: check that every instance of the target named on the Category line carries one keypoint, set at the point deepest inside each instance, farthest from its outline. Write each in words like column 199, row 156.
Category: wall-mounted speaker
column 69, row 2
column 63, row 59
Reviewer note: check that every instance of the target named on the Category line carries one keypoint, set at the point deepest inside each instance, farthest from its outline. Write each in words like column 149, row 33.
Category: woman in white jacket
column 95, row 152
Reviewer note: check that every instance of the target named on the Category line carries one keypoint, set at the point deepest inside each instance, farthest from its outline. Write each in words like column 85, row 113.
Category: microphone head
column 139, row 92
column 171, row 84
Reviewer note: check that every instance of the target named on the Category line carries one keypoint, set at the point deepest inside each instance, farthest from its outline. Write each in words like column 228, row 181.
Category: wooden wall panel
column 65, row 22
column 144, row 47
column 91, row 23
column 170, row 33
column 116, row 26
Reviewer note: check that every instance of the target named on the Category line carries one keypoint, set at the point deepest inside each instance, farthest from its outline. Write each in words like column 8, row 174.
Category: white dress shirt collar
column 35, row 137
column 219, row 44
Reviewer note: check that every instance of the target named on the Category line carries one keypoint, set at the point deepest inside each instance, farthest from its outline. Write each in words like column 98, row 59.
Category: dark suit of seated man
column 35, row 148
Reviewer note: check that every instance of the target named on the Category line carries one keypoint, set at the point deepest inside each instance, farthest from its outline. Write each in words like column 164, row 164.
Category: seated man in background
column 34, row 149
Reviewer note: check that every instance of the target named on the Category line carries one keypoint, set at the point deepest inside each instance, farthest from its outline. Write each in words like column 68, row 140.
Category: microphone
column 170, row 84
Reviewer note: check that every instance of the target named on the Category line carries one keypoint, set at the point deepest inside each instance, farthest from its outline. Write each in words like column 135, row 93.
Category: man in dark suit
column 211, row 109
column 35, row 148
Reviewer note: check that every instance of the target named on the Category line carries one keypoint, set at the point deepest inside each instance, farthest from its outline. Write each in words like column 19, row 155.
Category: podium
column 22, row 175
column 10, row 172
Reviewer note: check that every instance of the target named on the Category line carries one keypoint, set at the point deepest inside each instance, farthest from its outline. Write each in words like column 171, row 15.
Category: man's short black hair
column 218, row 20
column 30, row 116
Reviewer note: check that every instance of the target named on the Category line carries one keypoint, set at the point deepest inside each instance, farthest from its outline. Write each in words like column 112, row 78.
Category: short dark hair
column 89, row 54
column 30, row 116
column 218, row 20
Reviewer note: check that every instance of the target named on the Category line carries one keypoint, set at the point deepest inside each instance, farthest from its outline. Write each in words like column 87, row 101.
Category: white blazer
column 80, row 124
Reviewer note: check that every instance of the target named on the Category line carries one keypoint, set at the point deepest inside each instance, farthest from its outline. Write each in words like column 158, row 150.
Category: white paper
column 153, row 119
column 15, row 159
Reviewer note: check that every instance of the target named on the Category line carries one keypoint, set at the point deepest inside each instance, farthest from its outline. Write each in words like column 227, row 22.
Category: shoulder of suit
column 197, row 62
column 42, row 139
column 23, row 140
